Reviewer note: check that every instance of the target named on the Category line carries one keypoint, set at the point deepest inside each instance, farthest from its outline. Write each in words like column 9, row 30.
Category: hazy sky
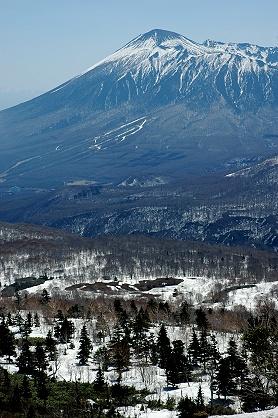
column 46, row 42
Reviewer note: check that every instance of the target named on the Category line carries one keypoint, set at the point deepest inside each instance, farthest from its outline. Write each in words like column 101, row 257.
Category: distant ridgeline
column 130, row 257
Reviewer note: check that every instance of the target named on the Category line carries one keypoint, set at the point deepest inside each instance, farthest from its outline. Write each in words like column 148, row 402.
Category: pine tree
column 66, row 331
column 5, row 381
column 254, row 395
column 133, row 308
column 178, row 369
column 36, row 320
column 194, row 350
column 163, row 347
column 99, row 382
column 187, row 408
column 60, row 316
column 42, row 386
column 225, row 378
column 238, row 365
column 50, row 346
column 29, row 321
column 101, row 328
column 18, row 319
column 140, row 341
column 26, row 390
column 201, row 319
column 200, row 398
column 102, row 357
column 120, row 350
column 40, row 359
column 7, row 341
column 184, row 313
column 85, row 347
column 25, row 361
column 57, row 332
column 153, row 350
column 45, row 297
column 214, row 351
column 25, row 330
column 10, row 321
column 205, row 348
column 16, row 398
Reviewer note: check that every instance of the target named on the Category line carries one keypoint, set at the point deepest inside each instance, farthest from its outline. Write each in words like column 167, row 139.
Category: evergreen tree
column 16, row 398
column 45, row 297
column 153, row 350
column 7, row 341
column 18, row 320
column 205, row 349
column 85, row 347
column 177, row 369
column 201, row 319
column 102, row 328
column 29, row 321
column 66, row 331
column 36, row 320
column 258, row 340
column 133, row 308
column 140, row 341
column 25, row 361
column 200, row 398
column 42, row 386
column 120, row 350
column 25, row 330
column 187, row 408
column 184, row 313
column 60, row 316
column 118, row 307
column 50, row 346
column 57, row 332
column 5, row 381
column 99, row 382
column 194, row 350
column 40, row 359
column 102, row 357
column 254, row 395
column 214, row 351
column 10, row 321
column 26, row 390
column 225, row 378
column 238, row 365
column 163, row 347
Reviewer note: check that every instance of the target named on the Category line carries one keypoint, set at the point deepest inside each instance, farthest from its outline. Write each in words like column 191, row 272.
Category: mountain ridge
column 161, row 105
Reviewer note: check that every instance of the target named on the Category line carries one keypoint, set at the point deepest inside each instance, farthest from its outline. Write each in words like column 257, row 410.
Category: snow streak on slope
column 257, row 169
column 118, row 135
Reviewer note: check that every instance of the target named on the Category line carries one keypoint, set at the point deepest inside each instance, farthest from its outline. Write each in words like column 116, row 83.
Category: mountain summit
column 160, row 105
column 157, row 37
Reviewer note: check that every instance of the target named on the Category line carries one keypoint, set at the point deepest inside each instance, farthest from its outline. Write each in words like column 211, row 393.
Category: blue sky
column 45, row 42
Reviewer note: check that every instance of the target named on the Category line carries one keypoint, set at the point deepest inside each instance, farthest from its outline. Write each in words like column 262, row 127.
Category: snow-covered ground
column 141, row 376
column 195, row 290
column 135, row 412
column 272, row 413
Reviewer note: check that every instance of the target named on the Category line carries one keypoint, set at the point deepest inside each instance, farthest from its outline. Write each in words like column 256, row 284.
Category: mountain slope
column 162, row 104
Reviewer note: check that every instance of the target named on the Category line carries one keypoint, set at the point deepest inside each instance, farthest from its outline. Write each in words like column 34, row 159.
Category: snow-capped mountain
column 162, row 105
column 162, row 67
